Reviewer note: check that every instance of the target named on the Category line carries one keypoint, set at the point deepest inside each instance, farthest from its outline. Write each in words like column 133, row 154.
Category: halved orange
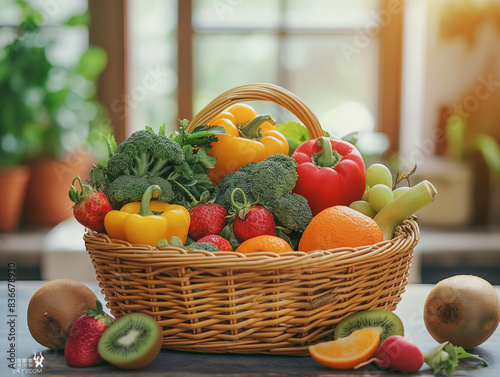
column 348, row 352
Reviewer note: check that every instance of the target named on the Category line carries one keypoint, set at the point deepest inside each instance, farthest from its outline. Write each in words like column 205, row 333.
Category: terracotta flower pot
column 13, row 182
column 47, row 201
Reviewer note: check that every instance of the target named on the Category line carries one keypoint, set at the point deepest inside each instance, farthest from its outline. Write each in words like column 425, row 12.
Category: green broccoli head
column 292, row 211
column 207, row 246
column 234, row 180
column 147, row 154
column 270, row 182
column 272, row 177
column 264, row 180
column 129, row 188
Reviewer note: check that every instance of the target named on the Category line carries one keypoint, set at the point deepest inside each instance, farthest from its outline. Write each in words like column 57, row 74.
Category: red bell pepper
column 330, row 172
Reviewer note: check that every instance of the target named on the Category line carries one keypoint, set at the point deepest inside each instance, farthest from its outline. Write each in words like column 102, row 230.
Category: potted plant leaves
column 50, row 118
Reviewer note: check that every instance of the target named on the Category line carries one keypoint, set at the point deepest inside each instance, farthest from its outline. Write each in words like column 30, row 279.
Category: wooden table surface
column 14, row 330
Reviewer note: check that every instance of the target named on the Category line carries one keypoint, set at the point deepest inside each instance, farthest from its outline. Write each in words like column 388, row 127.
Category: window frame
column 113, row 84
column 108, row 30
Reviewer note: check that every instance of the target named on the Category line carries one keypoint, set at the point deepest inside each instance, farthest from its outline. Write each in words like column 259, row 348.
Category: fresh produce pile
column 237, row 178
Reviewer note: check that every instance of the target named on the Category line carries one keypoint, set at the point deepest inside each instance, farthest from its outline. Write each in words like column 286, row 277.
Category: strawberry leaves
column 90, row 207
column 98, row 312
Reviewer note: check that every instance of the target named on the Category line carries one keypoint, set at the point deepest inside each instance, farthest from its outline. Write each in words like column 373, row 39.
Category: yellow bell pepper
column 147, row 221
column 251, row 141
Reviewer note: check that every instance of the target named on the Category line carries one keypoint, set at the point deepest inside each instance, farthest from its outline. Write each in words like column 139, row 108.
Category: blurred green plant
column 46, row 108
column 460, row 147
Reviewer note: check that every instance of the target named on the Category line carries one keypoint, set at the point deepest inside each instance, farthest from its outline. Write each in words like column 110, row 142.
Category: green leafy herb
column 195, row 145
column 201, row 136
column 295, row 134
column 444, row 358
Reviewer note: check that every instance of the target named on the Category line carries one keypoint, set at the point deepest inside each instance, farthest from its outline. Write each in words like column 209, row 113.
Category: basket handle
column 259, row 92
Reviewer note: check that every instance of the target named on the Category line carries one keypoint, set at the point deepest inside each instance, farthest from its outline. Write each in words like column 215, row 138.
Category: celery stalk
column 399, row 209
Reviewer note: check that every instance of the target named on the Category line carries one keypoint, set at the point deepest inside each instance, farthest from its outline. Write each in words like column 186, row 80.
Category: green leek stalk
column 405, row 205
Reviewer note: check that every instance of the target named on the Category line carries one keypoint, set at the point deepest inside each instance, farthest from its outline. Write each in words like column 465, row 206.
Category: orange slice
column 348, row 352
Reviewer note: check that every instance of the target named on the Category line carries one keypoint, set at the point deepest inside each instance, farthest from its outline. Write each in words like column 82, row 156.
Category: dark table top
column 187, row 364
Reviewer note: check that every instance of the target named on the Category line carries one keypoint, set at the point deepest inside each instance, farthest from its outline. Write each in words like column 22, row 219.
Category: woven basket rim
column 407, row 233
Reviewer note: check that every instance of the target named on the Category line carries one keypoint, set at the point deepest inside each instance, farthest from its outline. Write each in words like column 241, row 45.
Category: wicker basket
column 255, row 303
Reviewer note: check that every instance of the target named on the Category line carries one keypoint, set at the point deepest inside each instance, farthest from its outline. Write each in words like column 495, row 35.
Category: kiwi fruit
column 462, row 309
column 54, row 307
column 386, row 322
column 131, row 342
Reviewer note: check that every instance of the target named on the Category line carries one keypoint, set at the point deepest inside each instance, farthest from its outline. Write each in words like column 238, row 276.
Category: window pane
column 240, row 14
column 10, row 13
column 53, row 12
column 65, row 45
column 222, row 61
column 330, row 13
column 56, row 12
column 152, row 59
column 340, row 89
column 334, row 72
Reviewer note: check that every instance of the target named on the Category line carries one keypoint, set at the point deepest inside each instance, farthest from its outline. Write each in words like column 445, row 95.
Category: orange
column 339, row 226
column 348, row 352
column 264, row 243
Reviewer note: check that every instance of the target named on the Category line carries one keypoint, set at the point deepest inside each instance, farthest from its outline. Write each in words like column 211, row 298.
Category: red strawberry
column 84, row 335
column 257, row 221
column 90, row 207
column 207, row 219
column 251, row 220
column 221, row 243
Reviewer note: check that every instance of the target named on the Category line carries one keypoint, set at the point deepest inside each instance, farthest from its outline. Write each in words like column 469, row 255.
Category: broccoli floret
column 265, row 180
column 129, row 188
column 272, row 177
column 177, row 242
column 293, row 210
column 207, row 246
column 269, row 182
column 147, row 154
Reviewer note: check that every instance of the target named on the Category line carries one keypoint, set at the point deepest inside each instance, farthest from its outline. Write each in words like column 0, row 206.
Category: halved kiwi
column 386, row 322
column 132, row 342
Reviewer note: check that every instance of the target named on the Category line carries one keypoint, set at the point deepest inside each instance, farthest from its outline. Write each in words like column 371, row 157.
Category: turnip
column 398, row 353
